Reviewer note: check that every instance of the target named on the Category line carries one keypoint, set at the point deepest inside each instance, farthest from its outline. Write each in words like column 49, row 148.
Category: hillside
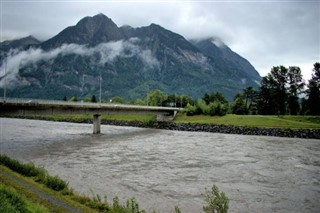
column 130, row 62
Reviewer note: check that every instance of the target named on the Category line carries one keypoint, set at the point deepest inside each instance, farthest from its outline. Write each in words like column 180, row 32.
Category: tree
column 93, row 99
column 238, row 105
column 273, row 92
column 217, row 96
column 266, row 100
column 64, row 98
column 249, row 94
column 156, row 98
column 295, row 88
column 117, row 100
column 183, row 101
column 206, row 98
column 313, row 91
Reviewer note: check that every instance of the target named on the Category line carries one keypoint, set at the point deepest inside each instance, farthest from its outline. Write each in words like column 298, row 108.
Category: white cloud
column 107, row 52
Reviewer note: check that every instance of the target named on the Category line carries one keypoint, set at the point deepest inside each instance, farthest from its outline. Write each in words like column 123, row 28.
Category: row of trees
column 281, row 92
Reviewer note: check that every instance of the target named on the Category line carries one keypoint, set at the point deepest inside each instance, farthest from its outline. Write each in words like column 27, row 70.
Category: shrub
column 55, row 183
column 30, row 170
column 217, row 202
column 190, row 110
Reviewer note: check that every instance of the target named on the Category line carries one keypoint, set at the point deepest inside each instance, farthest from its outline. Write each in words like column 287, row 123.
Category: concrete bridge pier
column 96, row 124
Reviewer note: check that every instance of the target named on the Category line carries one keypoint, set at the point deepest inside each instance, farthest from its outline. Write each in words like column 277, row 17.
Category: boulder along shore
column 226, row 129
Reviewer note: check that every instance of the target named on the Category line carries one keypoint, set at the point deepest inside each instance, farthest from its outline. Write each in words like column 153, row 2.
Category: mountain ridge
column 129, row 61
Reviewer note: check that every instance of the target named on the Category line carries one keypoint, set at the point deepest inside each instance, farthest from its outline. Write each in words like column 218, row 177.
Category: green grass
column 36, row 199
column 87, row 118
column 12, row 201
column 264, row 121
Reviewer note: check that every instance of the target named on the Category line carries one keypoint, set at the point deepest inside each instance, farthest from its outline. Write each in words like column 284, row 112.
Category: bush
column 215, row 108
column 217, row 202
column 190, row 110
column 30, row 170
column 55, row 183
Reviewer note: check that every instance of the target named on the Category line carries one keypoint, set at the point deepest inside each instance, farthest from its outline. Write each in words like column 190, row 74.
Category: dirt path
column 41, row 194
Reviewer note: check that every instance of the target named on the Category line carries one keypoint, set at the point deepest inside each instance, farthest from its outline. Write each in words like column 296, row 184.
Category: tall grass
column 39, row 174
column 11, row 201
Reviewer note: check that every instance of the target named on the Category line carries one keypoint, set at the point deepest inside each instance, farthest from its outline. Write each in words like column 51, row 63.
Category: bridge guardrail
column 67, row 103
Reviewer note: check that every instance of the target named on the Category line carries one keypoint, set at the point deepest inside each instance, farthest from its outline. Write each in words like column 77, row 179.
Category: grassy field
column 265, row 121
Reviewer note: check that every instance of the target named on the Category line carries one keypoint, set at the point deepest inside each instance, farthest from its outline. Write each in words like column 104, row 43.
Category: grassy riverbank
column 27, row 188
column 23, row 190
column 260, row 121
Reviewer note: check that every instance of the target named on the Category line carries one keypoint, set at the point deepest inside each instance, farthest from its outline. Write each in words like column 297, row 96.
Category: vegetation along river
column 163, row 168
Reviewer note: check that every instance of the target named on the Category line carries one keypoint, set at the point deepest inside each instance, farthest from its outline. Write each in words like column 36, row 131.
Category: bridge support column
column 96, row 124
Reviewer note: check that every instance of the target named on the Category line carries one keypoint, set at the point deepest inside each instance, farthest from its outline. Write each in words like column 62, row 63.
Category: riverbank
column 21, row 190
column 226, row 129
column 149, row 121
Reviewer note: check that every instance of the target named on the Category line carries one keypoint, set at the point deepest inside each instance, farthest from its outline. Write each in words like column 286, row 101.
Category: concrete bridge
column 47, row 107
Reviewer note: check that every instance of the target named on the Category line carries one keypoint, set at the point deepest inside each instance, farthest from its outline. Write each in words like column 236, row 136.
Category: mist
column 107, row 52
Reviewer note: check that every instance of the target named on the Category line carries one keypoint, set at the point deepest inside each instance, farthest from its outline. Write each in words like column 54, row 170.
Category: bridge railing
column 80, row 103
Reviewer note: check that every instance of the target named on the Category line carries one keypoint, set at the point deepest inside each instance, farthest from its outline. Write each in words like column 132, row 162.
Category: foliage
column 217, row 202
column 30, row 170
column 73, row 99
column 156, row 98
column 313, row 91
column 245, row 103
column 295, row 87
column 93, row 99
column 279, row 91
column 55, row 183
column 10, row 201
column 214, row 104
column 140, row 102
column 238, row 105
column 118, row 100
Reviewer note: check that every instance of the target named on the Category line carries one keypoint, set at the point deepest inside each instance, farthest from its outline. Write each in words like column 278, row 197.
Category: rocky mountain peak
column 21, row 43
column 89, row 30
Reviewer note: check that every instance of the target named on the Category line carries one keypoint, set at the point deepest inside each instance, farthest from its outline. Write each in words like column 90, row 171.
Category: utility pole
column 100, row 86
column 5, row 82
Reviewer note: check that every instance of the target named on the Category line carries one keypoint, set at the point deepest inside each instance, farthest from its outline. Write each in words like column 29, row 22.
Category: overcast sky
column 267, row 33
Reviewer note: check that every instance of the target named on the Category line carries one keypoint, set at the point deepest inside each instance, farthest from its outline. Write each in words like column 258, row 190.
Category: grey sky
column 267, row 33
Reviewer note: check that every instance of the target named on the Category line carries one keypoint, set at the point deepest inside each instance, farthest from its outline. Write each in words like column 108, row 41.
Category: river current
column 163, row 168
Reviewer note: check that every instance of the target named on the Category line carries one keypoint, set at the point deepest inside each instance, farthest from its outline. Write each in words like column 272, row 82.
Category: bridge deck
column 28, row 106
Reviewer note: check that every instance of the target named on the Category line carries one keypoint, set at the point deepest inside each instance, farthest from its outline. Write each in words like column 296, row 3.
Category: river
column 163, row 168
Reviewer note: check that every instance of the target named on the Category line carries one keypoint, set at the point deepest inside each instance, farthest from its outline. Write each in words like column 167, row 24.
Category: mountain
column 128, row 62
column 23, row 43
column 89, row 30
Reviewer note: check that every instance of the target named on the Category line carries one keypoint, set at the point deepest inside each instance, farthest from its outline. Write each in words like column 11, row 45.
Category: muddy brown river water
column 163, row 169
